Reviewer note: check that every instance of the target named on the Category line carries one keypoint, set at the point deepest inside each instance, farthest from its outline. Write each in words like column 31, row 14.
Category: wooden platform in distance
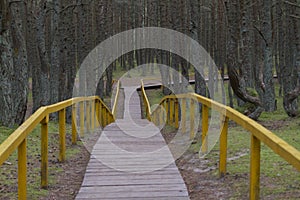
column 132, row 161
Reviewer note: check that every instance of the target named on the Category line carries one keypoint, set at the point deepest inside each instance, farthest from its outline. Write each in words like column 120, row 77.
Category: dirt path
column 197, row 174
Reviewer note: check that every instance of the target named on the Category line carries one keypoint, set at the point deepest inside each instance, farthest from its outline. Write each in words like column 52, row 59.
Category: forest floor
column 203, row 181
column 279, row 180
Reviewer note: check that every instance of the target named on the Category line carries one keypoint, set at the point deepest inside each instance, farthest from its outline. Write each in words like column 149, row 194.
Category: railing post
column 204, row 127
column 74, row 130
column 81, row 119
column 62, row 135
column 183, row 115
column 153, row 118
column 157, row 117
column 22, row 170
column 100, row 115
column 254, row 168
column 111, row 119
column 93, row 115
column 104, row 116
column 145, row 105
column 44, row 152
column 167, row 112
column 161, row 117
column 148, row 113
column 223, row 146
column 176, row 114
column 192, row 119
column 171, row 112
column 88, row 116
column 97, row 105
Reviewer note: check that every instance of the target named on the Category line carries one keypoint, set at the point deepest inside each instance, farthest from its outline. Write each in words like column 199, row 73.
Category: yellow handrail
column 17, row 140
column 146, row 101
column 114, row 108
column 258, row 134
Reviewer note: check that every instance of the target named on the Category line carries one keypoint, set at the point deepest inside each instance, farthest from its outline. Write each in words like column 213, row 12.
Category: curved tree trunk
column 237, row 83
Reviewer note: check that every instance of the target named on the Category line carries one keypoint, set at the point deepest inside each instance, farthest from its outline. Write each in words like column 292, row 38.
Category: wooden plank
column 131, row 160
column 109, row 172
column 138, row 188
column 135, row 194
column 135, row 198
column 93, row 181
column 130, row 177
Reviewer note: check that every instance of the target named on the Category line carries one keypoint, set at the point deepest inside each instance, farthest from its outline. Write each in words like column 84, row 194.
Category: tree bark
column 200, row 84
column 237, row 83
column 290, row 73
column 164, row 55
column 268, row 96
column 14, row 65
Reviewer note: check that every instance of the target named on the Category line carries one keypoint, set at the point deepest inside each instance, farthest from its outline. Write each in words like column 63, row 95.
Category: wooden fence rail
column 93, row 112
column 258, row 132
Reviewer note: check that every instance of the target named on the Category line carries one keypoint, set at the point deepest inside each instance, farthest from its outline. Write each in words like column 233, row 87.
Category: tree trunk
column 290, row 77
column 55, row 52
column 82, row 43
column 14, row 70
column 41, row 72
column 236, row 82
column 200, row 84
column 268, row 97
column 164, row 55
column 108, row 24
column 247, row 44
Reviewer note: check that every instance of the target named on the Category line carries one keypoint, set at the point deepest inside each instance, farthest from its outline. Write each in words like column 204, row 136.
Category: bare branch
column 261, row 34
column 292, row 4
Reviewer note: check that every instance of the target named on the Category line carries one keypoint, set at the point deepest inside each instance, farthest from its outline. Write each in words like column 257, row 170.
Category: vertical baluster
column 171, row 112
column 254, row 167
column 192, row 119
column 167, row 105
column 44, row 152
column 161, row 115
column 104, row 116
column 74, row 130
column 93, row 115
column 81, row 119
column 22, row 170
column 100, row 117
column 223, row 146
column 176, row 113
column 97, row 108
column 88, row 116
column 183, row 115
column 204, row 127
column 62, row 135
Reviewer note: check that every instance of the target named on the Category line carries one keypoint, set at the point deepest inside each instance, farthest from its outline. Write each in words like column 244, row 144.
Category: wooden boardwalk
column 132, row 161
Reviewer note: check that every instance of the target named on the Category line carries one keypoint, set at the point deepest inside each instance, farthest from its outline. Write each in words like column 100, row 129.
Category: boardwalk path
column 132, row 161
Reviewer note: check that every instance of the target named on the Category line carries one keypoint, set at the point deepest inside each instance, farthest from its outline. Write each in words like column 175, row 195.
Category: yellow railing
column 258, row 133
column 92, row 110
column 146, row 102
column 115, row 104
